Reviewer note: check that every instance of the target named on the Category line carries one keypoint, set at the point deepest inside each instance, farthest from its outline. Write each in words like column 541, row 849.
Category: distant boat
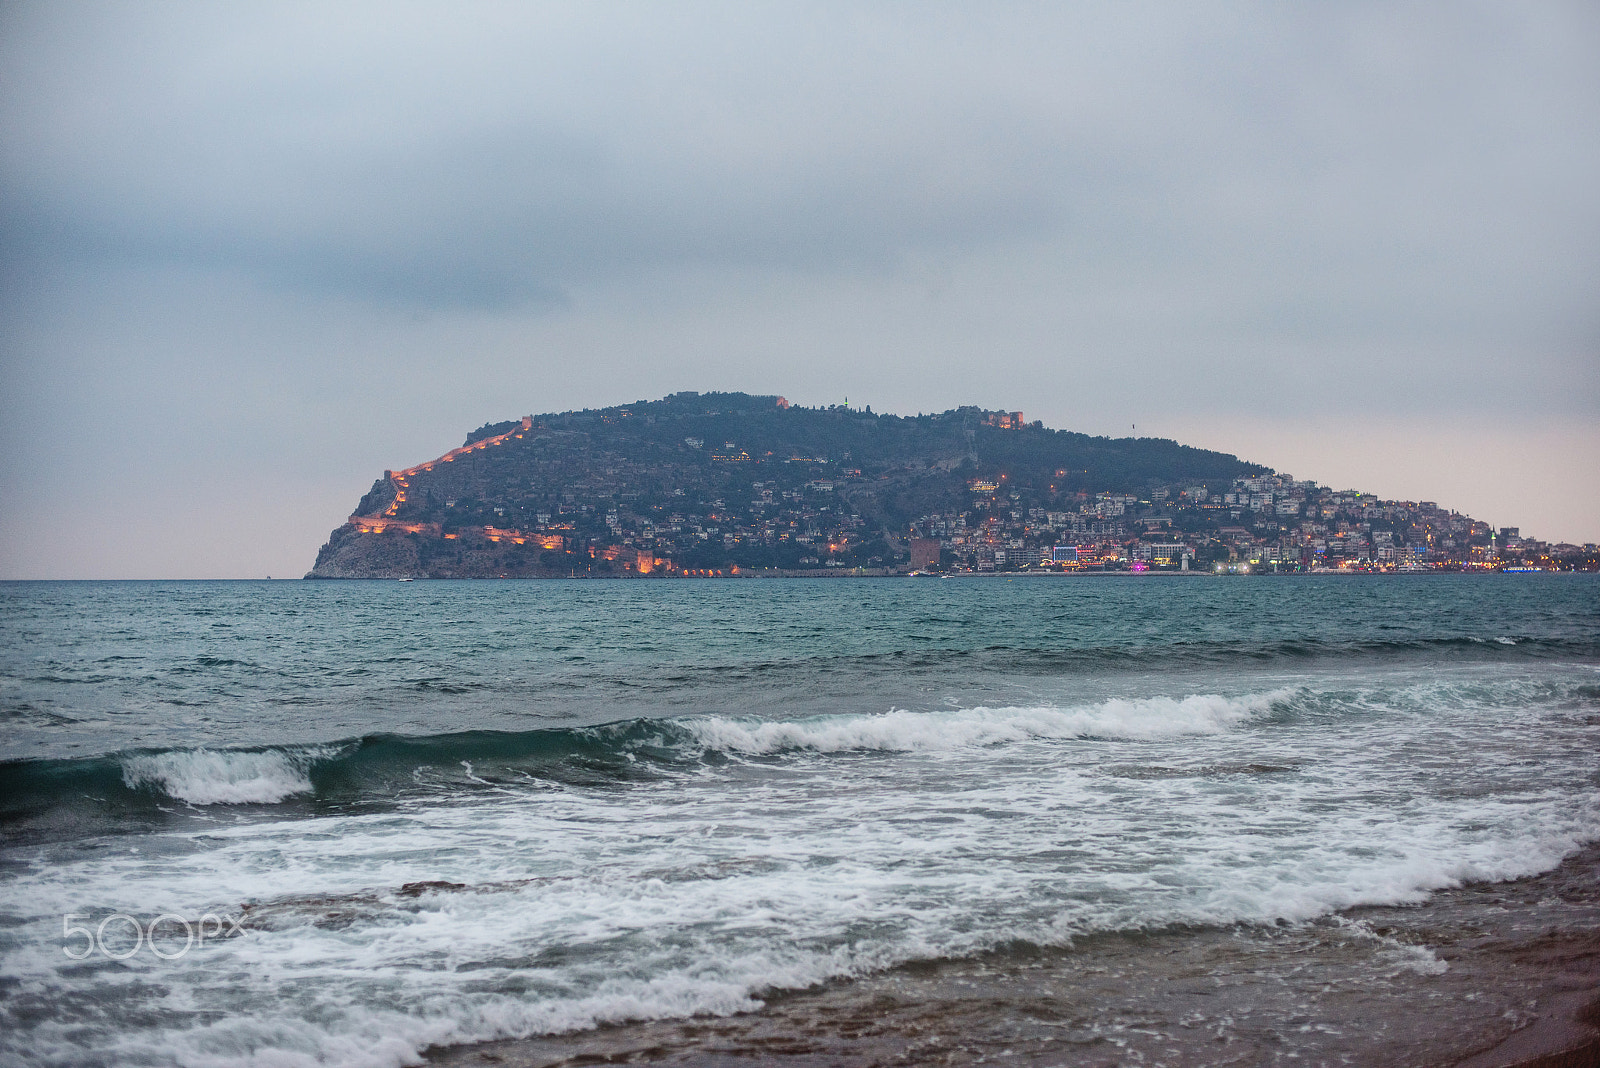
column 407, row 578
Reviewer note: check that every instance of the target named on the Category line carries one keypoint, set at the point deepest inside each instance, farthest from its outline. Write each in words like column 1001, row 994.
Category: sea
column 375, row 823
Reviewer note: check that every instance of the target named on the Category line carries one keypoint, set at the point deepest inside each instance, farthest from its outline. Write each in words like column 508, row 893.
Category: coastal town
column 1269, row 523
column 729, row 484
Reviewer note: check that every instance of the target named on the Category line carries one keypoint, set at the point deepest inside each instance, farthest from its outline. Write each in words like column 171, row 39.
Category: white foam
column 1406, row 956
column 700, row 891
column 222, row 777
column 1146, row 718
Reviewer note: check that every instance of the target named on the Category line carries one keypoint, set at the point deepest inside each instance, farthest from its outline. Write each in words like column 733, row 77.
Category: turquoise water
column 92, row 668
column 438, row 813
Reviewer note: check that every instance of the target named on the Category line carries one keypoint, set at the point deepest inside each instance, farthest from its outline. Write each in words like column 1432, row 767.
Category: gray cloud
column 513, row 153
column 512, row 159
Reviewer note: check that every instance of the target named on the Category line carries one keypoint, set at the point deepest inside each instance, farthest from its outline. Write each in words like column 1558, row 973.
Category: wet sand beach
column 1483, row 976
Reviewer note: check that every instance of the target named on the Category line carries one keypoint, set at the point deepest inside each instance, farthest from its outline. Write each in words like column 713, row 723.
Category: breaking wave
column 386, row 766
column 223, row 777
column 383, row 768
column 900, row 731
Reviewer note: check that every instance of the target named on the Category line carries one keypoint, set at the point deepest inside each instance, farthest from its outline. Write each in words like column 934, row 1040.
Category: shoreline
column 880, row 573
column 1486, row 975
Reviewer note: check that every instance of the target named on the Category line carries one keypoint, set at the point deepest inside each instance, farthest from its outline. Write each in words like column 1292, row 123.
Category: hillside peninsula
column 729, row 483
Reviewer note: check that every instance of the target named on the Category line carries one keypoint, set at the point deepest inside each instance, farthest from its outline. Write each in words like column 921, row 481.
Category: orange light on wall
column 376, row 525
column 366, row 525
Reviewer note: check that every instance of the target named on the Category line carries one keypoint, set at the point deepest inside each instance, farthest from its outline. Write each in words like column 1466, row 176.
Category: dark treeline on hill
column 723, row 480
column 881, row 445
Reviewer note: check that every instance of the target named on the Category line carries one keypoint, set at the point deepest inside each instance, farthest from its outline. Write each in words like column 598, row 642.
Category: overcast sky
column 252, row 255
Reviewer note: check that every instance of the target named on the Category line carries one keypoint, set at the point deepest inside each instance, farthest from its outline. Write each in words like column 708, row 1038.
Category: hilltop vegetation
column 722, row 480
